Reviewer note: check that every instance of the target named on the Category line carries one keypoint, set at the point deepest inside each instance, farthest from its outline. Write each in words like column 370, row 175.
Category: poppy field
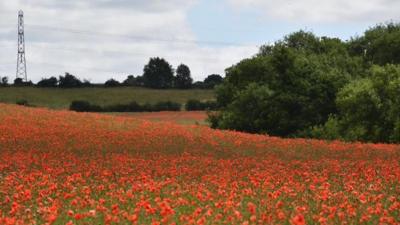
column 179, row 117
column 61, row 167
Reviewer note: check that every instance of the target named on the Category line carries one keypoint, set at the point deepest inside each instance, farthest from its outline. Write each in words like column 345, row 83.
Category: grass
column 56, row 98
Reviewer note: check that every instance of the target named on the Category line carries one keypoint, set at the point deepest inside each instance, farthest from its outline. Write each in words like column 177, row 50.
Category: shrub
column 23, row 102
column 69, row 81
column 166, row 106
column 19, row 82
column 112, row 83
column 212, row 80
column 196, row 105
column 48, row 82
column 84, row 106
column 130, row 107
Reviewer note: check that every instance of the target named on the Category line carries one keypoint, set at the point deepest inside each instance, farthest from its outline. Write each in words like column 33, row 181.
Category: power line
column 79, row 67
column 79, row 49
column 128, row 53
column 135, row 37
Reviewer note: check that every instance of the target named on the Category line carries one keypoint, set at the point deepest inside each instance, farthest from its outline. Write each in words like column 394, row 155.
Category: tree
column 69, row 81
column 299, row 76
column 213, row 80
column 249, row 111
column 158, row 73
column 86, row 83
column 198, row 85
column 369, row 108
column 50, row 82
column 112, row 83
column 140, row 81
column 183, row 79
column 129, row 81
column 379, row 45
column 4, row 81
column 19, row 82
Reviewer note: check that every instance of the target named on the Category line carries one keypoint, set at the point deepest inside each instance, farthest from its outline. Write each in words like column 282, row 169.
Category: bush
column 130, row 107
column 69, row 81
column 84, row 106
column 331, row 130
column 196, row 105
column 212, row 80
column 369, row 108
column 166, row 106
column 22, row 102
column 3, row 81
column 251, row 111
column 112, row 83
column 19, row 82
column 198, row 85
column 48, row 82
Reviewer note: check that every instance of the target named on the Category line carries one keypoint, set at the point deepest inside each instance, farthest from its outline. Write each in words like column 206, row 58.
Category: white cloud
column 321, row 11
column 98, row 40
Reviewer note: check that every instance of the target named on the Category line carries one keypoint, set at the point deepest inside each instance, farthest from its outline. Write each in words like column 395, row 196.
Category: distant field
column 184, row 118
column 61, row 98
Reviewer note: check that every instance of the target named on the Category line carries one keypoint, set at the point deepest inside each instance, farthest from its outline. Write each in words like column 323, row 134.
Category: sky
column 101, row 39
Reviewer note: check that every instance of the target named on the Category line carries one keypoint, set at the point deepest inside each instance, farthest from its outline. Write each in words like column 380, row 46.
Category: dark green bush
column 196, row 105
column 166, row 106
column 85, row 106
column 23, row 102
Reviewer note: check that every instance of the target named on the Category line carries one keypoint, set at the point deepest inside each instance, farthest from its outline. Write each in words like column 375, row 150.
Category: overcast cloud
column 97, row 40
column 322, row 11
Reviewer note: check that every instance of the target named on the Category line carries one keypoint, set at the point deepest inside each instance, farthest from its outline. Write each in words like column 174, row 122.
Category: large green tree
column 183, row 79
column 369, row 109
column 158, row 73
column 299, row 76
column 379, row 45
column 212, row 80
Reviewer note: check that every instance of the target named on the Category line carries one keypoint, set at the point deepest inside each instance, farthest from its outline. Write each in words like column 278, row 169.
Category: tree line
column 157, row 74
column 319, row 87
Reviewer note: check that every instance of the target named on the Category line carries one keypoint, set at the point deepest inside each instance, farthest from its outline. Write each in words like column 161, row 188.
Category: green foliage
column 213, row 80
column 302, row 74
column 3, row 81
column 197, row 105
column 69, row 81
column 164, row 106
column 23, row 102
column 379, row 45
column 112, row 83
column 48, row 82
column 85, row 106
column 158, row 73
column 249, row 111
column 19, row 82
column 321, row 87
column 369, row 108
column 183, row 79
column 331, row 130
column 133, row 81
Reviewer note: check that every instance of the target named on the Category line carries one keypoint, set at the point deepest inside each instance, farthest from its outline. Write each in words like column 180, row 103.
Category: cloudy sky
column 100, row 39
